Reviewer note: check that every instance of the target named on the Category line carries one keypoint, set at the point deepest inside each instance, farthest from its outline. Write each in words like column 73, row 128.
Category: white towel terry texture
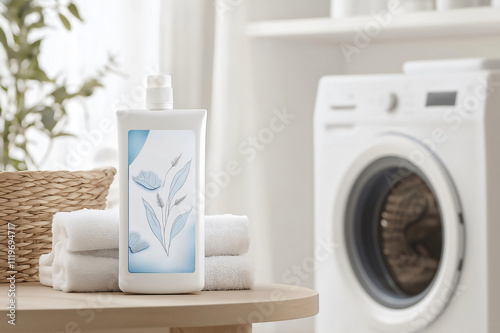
column 84, row 255
column 86, row 229
column 226, row 235
column 228, row 272
column 77, row 271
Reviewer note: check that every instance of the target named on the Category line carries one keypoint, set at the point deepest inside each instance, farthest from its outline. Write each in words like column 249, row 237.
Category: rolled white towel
column 228, row 273
column 85, row 252
column 80, row 272
column 47, row 260
column 226, row 235
column 86, row 229
column 45, row 268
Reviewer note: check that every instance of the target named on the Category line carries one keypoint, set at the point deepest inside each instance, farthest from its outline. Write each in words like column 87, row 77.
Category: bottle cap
column 159, row 93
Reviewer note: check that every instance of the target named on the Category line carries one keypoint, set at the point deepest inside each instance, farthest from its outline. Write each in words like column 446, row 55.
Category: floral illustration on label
column 150, row 181
column 161, row 192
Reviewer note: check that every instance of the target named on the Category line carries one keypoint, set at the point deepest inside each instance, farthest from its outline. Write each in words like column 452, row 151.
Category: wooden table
column 43, row 309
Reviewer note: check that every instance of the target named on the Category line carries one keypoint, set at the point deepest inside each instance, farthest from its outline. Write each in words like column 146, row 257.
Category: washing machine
column 407, row 195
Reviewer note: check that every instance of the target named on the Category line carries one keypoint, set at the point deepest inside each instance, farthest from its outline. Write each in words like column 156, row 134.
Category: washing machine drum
column 402, row 226
column 410, row 234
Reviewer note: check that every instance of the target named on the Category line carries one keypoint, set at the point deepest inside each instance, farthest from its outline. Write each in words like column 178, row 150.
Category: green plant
column 22, row 81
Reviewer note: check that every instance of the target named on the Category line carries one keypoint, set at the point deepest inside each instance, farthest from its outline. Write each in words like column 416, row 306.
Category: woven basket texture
column 29, row 199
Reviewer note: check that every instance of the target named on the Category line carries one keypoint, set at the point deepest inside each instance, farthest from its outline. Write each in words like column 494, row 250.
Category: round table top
column 42, row 308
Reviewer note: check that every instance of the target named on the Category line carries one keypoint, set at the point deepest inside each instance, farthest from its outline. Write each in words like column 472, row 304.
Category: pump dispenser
column 161, row 172
column 159, row 92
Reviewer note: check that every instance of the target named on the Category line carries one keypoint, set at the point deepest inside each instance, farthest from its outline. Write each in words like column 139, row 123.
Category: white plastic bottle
column 162, row 168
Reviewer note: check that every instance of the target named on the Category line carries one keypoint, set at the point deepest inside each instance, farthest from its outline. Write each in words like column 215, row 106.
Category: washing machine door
column 401, row 235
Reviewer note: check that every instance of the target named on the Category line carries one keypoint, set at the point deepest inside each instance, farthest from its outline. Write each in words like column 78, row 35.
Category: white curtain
column 127, row 29
column 203, row 47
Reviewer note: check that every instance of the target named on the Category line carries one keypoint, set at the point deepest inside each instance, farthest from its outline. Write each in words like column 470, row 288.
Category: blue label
column 161, row 201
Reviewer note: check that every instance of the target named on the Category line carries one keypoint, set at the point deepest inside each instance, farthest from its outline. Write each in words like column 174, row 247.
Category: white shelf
column 456, row 22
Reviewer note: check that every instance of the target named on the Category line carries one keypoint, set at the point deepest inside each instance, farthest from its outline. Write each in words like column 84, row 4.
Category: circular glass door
column 402, row 233
column 394, row 231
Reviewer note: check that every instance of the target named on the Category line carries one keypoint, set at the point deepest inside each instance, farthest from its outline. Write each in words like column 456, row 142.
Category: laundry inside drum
column 410, row 234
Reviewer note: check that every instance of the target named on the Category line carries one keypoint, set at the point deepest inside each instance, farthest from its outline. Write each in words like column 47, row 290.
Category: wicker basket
column 29, row 199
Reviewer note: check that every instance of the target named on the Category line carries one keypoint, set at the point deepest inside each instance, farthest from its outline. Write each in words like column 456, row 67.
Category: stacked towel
column 80, row 271
column 84, row 255
column 86, row 229
column 228, row 273
column 226, row 243
column 226, row 235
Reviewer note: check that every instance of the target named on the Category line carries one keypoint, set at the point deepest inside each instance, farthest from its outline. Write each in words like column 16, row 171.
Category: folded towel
column 86, row 229
column 45, row 268
column 46, row 262
column 226, row 235
column 228, row 273
column 85, row 252
column 75, row 271
column 89, row 229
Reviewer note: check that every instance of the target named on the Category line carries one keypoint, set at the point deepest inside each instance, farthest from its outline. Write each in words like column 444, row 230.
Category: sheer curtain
column 127, row 29
column 203, row 47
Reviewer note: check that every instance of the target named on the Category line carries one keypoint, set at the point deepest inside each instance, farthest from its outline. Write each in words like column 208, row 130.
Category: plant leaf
column 87, row 89
column 62, row 134
column 136, row 243
column 41, row 21
column 65, row 21
column 3, row 39
column 39, row 75
column 159, row 200
column 178, row 201
column 60, row 94
column 148, row 179
column 175, row 160
column 48, row 118
column 154, row 224
column 179, row 223
column 74, row 11
column 178, row 181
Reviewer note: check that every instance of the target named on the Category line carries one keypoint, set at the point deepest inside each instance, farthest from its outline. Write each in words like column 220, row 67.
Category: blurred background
column 254, row 65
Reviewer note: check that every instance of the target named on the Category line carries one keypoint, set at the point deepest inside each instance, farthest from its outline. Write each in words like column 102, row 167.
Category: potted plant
column 21, row 79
